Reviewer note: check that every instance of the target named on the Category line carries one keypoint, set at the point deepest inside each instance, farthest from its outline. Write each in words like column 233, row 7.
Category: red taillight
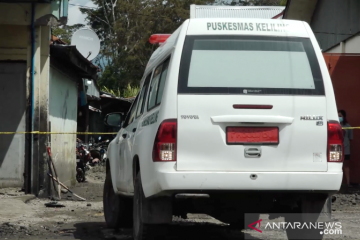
column 164, row 149
column 335, row 142
column 158, row 38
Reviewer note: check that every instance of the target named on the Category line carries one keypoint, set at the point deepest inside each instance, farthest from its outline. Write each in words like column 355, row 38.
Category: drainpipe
column 32, row 115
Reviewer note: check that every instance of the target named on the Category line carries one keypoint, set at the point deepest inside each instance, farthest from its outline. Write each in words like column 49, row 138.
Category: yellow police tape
column 45, row 133
column 94, row 133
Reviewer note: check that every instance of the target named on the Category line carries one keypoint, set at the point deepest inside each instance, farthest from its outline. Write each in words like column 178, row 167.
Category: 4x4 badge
column 314, row 118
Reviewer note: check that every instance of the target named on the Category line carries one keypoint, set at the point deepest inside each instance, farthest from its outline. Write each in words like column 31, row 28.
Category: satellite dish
column 86, row 42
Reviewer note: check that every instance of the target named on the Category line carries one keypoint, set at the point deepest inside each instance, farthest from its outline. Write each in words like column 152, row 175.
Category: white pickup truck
column 234, row 116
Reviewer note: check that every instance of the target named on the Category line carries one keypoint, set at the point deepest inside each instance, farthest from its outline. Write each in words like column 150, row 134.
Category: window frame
column 146, row 90
column 168, row 58
column 167, row 61
column 128, row 113
column 186, row 61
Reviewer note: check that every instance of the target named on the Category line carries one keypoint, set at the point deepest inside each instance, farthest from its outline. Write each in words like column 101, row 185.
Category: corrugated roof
column 110, row 96
column 91, row 108
column 71, row 57
column 265, row 12
column 55, row 41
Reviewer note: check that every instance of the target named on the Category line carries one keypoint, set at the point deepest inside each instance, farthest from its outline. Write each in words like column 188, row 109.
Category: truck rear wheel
column 142, row 230
column 117, row 209
column 310, row 211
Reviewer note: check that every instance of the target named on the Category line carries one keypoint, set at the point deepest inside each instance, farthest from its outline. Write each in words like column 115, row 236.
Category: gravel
column 85, row 220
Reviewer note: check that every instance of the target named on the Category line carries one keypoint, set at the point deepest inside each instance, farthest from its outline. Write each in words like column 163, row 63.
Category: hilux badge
column 309, row 118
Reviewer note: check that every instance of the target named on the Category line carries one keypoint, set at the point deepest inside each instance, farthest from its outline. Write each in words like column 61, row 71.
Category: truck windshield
column 250, row 65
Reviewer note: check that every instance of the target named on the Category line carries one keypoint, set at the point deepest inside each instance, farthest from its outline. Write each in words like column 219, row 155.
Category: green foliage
column 65, row 33
column 124, row 28
column 283, row 2
column 129, row 91
column 115, row 93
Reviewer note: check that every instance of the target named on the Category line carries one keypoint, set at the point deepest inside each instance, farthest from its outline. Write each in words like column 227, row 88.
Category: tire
column 309, row 211
column 80, row 175
column 141, row 230
column 117, row 209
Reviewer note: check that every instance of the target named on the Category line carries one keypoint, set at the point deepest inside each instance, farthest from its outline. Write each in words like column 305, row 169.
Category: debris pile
column 345, row 201
column 9, row 229
column 97, row 173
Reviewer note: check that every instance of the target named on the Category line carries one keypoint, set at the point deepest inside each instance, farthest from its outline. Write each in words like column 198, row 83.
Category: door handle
column 252, row 152
column 124, row 135
column 134, row 130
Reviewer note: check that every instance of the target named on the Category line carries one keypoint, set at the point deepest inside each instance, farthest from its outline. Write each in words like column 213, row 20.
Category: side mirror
column 113, row 120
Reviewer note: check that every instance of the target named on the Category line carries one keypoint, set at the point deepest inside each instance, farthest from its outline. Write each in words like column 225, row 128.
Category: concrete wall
column 63, row 118
column 15, row 46
column 45, row 13
column 351, row 45
column 20, row 13
column 12, row 119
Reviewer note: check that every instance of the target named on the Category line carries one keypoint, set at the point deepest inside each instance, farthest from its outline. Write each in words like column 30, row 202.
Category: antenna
column 86, row 42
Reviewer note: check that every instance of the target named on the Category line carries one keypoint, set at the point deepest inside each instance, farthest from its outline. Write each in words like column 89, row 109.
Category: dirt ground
column 26, row 217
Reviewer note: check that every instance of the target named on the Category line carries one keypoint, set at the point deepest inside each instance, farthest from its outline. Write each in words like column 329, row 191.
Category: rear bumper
column 166, row 182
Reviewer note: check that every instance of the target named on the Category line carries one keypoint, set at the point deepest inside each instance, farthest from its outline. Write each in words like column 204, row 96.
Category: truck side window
column 140, row 108
column 154, row 88
column 131, row 114
column 162, row 81
column 157, row 85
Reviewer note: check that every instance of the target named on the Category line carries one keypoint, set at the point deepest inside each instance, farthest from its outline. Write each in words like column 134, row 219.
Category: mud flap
column 320, row 205
column 326, row 211
column 157, row 210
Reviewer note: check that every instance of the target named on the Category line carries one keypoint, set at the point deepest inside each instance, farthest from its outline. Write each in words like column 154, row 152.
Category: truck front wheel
column 117, row 209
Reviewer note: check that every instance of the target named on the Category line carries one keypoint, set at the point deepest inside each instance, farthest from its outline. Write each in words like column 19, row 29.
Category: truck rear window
column 249, row 65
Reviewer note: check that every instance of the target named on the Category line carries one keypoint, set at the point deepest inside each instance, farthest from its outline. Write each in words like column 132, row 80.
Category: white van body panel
column 293, row 154
column 167, row 110
column 331, row 108
column 204, row 159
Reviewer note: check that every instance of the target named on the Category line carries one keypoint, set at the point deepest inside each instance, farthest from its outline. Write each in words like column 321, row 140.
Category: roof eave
column 70, row 55
column 300, row 10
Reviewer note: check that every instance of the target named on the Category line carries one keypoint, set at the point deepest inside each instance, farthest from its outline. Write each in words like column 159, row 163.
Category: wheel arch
column 112, row 174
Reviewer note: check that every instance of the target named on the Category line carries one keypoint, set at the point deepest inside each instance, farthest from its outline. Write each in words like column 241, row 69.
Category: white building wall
column 63, row 118
column 351, row 45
